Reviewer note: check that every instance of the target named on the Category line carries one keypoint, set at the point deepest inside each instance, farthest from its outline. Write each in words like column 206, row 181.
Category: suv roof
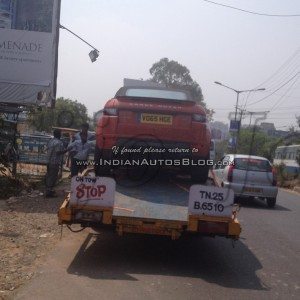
column 154, row 92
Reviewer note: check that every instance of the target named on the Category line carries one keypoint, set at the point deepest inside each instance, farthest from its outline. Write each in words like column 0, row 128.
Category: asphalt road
column 265, row 263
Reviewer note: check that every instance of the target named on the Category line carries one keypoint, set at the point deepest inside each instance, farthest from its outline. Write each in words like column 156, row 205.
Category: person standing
column 85, row 130
column 79, row 151
column 55, row 148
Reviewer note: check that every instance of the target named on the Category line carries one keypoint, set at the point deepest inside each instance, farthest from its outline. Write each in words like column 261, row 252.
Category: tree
column 174, row 75
column 255, row 142
column 67, row 113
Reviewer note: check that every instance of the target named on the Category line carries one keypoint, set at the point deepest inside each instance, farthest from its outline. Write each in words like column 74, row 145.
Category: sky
column 242, row 51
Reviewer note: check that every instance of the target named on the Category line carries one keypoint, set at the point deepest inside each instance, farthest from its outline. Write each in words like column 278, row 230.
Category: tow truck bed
column 153, row 200
column 158, row 207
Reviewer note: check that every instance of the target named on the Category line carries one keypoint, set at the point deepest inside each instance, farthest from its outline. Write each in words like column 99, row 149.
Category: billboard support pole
column 56, row 55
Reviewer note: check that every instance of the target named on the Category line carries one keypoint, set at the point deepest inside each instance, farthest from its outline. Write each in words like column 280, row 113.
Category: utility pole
column 238, row 92
column 263, row 116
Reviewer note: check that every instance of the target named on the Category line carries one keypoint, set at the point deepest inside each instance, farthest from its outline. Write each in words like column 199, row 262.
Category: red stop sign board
column 93, row 191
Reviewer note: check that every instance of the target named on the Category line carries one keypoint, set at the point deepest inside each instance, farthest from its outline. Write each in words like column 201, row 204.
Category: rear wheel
column 236, row 199
column 200, row 173
column 271, row 202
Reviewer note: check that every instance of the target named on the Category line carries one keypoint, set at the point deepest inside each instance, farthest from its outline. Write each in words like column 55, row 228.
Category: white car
column 248, row 176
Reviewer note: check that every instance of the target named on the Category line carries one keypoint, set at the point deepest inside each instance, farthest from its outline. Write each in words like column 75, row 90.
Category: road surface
column 265, row 263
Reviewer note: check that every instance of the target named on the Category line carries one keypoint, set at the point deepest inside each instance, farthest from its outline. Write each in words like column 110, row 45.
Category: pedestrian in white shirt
column 80, row 149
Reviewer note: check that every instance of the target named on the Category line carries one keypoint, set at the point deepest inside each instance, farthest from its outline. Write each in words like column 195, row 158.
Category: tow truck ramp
column 162, row 206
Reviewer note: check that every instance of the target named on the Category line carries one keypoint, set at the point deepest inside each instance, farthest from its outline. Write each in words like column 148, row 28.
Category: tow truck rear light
column 199, row 118
column 274, row 181
column 110, row 111
column 230, row 173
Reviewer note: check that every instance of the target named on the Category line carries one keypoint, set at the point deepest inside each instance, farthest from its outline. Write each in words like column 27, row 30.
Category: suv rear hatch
column 165, row 119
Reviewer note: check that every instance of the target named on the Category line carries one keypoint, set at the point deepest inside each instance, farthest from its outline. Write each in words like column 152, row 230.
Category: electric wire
column 277, row 103
column 283, row 77
column 283, row 66
column 265, row 108
column 252, row 12
column 280, row 87
column 284, row 71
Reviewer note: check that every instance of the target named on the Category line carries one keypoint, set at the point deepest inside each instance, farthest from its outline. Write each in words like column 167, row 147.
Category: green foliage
column 175, row 75
column 220, row 149
column 281, row 175
column 254, row 142
column 67, row 113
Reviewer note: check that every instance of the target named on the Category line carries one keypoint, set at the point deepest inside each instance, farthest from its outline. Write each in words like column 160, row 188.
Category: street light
column 238, row 92
column 94, row 54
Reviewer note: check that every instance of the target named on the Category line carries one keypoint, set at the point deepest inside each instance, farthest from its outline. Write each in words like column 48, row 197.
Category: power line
column 289, row 96
column 265, row 108
column 275, row 90
column 282, row 74
column 283, row 96
column 281, row 113
column 249, row 11
column 283, row 77
column 285, row 64
column 278, row 118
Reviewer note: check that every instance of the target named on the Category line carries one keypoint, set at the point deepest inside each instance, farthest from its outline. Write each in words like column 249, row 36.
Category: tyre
column 100, row 170
column 271, row 202
column 236, row 199
column 200, row 174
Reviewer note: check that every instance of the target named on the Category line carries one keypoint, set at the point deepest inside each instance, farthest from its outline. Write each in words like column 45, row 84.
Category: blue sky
column 215, row 43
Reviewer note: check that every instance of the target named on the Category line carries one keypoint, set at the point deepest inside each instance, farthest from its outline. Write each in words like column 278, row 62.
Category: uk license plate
column 252, row 190
column 156, row 119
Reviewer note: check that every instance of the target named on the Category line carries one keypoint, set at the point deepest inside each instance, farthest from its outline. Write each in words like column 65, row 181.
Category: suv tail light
column 230, row 173
column 274, row 182
column 110, row 111
column 199, row 118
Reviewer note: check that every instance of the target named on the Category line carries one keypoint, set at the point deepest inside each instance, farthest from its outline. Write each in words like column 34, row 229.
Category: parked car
column 156, row 117
column 248, row 176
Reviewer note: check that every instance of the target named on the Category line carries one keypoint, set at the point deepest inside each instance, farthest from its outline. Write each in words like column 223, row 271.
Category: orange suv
column 155, row 122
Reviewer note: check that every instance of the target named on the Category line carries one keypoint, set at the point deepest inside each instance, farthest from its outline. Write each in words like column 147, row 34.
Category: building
column 268, row 128
column 219, row 130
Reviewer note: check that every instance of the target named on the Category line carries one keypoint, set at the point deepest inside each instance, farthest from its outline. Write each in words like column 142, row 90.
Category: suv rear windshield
column 252, row 164
column 156, row 93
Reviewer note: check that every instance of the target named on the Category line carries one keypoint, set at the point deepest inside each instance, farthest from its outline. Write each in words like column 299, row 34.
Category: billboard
column 234, row 125
column 29, row 31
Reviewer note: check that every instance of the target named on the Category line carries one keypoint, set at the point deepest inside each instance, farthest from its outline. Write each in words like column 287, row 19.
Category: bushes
column 284, row 179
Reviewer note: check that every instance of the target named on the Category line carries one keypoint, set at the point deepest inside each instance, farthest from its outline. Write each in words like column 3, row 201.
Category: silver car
column 248, row 176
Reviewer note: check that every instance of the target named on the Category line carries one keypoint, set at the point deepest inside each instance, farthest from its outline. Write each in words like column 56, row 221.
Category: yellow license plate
column 156, row 119
column 252, row 190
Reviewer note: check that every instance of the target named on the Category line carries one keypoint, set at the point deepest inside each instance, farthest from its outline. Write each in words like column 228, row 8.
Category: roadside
column 294, row 191
column 28, row 231
column 292, row 185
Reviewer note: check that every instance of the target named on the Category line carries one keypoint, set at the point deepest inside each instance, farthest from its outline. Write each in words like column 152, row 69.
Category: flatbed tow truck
column 163, row 206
